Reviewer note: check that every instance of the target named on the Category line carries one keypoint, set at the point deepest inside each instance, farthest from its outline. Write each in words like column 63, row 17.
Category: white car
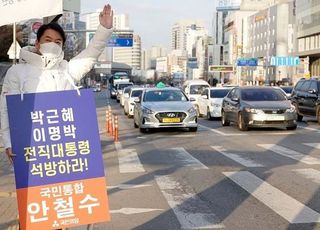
column 210, row 101
column 129, row 103
column 193, row 89
column 124, row 95
column 120, row 87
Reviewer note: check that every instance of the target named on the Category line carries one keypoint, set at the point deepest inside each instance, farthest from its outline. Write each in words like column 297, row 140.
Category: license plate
column 275, row 118
column 170, row 120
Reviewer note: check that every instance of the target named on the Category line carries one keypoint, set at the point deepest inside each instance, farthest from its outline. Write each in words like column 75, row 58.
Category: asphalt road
column 216, row 178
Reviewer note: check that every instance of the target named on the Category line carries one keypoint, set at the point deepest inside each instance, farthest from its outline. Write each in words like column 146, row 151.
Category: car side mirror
column 204, row 96
column 235, row 99
column 137, row 100
column 312, row 91
column 192, row 99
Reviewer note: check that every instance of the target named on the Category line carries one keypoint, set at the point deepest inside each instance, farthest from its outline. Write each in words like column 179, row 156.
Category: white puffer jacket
column 33, row 74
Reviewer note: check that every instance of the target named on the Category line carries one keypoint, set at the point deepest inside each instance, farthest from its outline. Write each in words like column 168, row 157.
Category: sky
column 153, row 19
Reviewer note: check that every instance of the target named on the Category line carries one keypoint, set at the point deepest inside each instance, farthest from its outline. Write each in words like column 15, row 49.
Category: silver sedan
column 164, row 108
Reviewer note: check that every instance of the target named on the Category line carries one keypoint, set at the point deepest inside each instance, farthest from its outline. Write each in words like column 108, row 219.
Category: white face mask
column 50, row 49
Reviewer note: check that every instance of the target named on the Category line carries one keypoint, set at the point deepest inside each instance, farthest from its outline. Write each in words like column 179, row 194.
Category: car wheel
column 193, row 129
column 224, row 120
column 241, row 123
column 209, row 117
column 292, row 127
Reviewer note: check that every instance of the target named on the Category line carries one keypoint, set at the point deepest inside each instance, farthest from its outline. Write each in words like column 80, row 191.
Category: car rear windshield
column 164, row 95
column 136, row 93
column 287, row 89
column 197, row 89
column 122, row 86
column 220, row 93
column 127, row 89
column 260, row 94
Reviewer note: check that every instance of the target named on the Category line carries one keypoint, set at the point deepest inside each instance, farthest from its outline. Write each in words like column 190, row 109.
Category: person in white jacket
column 43, row 69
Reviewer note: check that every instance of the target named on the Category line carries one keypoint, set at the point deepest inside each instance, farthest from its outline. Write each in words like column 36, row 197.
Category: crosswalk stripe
column 308, row 128
column 291, row 154
column 313, row 145
column 190, row 210
column 131, row 211
column 221, row 133
column 129, row 161
column 237, row 158
column 187, row 159
column 128, row 186
column 312, row 174
column 290, row 209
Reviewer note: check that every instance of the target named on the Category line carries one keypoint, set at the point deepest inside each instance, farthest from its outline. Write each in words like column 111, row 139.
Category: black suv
column 306, row 98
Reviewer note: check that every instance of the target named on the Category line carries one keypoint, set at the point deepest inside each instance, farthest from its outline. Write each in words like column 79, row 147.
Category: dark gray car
column 258, row 107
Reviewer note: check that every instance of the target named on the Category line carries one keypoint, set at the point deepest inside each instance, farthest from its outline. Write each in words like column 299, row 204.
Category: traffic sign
column 247, row 62
column 121, row 40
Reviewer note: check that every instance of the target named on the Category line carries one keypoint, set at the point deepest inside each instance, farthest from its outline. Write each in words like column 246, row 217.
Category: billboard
column 284, row 61
column 228, row 5
column 59, row 169
column 28, row 9
column 221, row 68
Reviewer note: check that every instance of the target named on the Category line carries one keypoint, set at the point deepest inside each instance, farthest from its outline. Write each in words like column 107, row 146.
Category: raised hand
column 106, row 17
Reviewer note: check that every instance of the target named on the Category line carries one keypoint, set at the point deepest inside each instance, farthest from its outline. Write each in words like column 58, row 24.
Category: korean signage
column 120, row 40
column 221, row 68
column 285, row 61
column 228, row 5
column 59, row 169
column 18, row 10
column 247, row 62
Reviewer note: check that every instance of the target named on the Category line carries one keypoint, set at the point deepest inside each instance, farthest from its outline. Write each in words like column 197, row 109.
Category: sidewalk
column 8, row 203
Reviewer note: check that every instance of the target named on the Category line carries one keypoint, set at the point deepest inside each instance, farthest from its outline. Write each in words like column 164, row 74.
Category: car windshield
column 220, row 93
column 136, row 93
column 164, row 95
column 260, row 94
column 197, row 89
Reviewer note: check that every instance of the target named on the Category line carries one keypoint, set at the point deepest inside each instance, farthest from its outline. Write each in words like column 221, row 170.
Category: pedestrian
column 42, row 67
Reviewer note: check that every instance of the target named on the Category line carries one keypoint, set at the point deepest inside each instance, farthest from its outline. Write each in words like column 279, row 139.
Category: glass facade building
column 308, row 32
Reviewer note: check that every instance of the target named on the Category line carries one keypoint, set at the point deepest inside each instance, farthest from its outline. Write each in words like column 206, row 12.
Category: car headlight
column 215, row 105
column 291, row 110
column 251, row 110
column 147, row 111
column 192, row 110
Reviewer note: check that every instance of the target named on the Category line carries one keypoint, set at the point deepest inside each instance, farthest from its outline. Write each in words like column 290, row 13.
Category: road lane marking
column 313, row 145
column 187, row 159
column 128, row 186
column 131, row 211
column 312, row 174
column 190, row 210
column 291, row 154
column 221, row 133
column 129, row 161
column 290, row 209
column 245, row 161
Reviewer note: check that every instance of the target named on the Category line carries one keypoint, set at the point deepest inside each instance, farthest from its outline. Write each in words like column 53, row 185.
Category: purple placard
column 55, row 137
